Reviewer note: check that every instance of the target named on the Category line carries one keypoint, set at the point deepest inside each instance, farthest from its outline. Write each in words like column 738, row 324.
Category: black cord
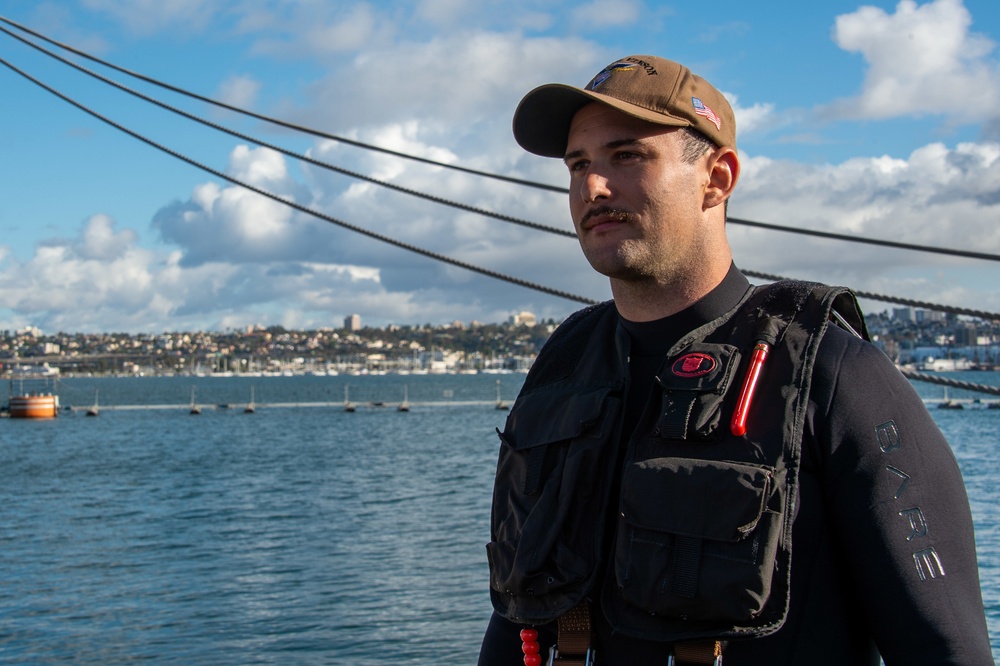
column 429, row 197
column 300, row 207
column 982, row 314
column 293, row 154
column 281, row 123
column 518, row 181
column 871, row 241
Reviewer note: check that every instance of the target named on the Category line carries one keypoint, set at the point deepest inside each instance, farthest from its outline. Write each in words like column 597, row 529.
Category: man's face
column 636, row 204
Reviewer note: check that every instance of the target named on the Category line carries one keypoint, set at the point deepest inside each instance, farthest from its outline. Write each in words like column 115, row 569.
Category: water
column 295, row 535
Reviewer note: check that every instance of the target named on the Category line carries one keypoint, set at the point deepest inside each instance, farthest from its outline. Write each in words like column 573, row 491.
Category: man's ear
column 724, row 171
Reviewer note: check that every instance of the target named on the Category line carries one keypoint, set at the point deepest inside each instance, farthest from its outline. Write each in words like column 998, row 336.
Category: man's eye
column 579, row 165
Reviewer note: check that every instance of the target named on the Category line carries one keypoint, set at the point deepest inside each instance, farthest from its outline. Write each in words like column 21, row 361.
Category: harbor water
column 297, row 534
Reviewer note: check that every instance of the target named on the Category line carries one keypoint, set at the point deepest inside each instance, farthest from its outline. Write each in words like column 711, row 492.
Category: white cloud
column 225, row 225
column 232, row 223
column 239, row 91
column 69, row 284
column 144, row 17
column 400, row 137
column 454, row 84
column 236, row 258
column 99, row 240
column 751, row 119
column 242, row 261
column 922, row 59
column 347, row 34
column 606, row 14
column 444, row 12
column 58, row 19
column 938, row 196
column 316, row 28
column 262, row 167
column 76, row 285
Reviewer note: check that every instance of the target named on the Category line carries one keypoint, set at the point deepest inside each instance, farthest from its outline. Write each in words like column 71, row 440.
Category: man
column 700, row 469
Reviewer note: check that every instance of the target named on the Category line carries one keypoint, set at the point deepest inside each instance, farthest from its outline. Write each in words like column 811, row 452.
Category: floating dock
column 44, row 406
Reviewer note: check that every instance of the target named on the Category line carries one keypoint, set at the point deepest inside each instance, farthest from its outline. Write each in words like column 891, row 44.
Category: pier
column 251, row 407
column 932, row 403
column 961, row 403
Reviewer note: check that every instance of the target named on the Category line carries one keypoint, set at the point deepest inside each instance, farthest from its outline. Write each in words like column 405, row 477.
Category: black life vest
column 701, row 543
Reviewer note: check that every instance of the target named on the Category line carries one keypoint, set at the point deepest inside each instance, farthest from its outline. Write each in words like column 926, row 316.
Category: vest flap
column 701, row 368
column 553, row 413
column 707, row 499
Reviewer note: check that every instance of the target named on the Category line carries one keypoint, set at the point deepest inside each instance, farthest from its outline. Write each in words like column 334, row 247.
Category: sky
column 878, row 119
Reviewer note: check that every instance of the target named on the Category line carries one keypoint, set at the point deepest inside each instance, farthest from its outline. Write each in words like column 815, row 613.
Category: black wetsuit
column 871, row 504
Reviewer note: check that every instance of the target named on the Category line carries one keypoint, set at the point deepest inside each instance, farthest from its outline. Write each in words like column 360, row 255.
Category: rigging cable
column 313, row 132
column 967, row 254
column 981, row 314
column 283, row 123
column 948, row 381
column 429, row 197
column 305, row 209
column 290, row 153
column 433, row 198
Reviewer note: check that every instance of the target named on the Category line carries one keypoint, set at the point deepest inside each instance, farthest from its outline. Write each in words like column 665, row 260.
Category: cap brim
column 542, row 119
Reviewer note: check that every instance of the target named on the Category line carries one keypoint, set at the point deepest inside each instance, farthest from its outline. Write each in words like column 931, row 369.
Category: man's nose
column 595, row 186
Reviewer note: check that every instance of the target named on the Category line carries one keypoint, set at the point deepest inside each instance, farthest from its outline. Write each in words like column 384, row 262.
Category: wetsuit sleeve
column 897, row 508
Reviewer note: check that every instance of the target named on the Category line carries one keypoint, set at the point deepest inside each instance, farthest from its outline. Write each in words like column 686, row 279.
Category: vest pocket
column 551, row 489
column 697, row 539
column 695, row 384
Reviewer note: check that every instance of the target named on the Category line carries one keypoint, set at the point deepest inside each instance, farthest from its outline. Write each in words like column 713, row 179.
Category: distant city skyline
column 877, row 119
column 916, row 339
column 352, row 323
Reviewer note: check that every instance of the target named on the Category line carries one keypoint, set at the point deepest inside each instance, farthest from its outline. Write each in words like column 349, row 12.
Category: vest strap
column 687, row 558
column 533, row 476
column 673, row 424
column 574, row 637
column 696, row 653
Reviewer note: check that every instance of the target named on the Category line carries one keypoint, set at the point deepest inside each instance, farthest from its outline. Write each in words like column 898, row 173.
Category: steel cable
column 982, row 314
column 297, row 206
column 948, row 381
column 433, row 198
column 968, row 254
column 298, row 156
column 277, row 121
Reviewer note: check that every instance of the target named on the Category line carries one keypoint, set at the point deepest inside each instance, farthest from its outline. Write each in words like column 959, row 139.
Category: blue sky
column 879, row 119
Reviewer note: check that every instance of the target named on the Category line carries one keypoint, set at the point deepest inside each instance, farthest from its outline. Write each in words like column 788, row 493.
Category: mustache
column 617, row 214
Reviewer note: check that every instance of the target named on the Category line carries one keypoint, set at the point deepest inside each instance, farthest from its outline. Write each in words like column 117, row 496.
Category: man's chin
column 616, row 263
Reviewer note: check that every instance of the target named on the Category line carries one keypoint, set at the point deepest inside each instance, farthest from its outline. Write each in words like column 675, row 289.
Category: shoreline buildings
column 914, row 338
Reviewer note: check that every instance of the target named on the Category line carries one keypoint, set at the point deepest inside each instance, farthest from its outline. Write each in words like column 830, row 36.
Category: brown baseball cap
column 647, row 87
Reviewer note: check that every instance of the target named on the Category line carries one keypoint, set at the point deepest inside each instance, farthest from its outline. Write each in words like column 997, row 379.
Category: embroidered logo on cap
column 694, row 364
column 702, row 110
column 608, row 71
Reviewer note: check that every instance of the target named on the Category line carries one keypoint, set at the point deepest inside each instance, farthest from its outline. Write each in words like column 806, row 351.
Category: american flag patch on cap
column 702, row 110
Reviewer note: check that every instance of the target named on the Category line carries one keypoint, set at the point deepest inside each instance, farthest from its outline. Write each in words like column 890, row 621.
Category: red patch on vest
column 694, row 364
